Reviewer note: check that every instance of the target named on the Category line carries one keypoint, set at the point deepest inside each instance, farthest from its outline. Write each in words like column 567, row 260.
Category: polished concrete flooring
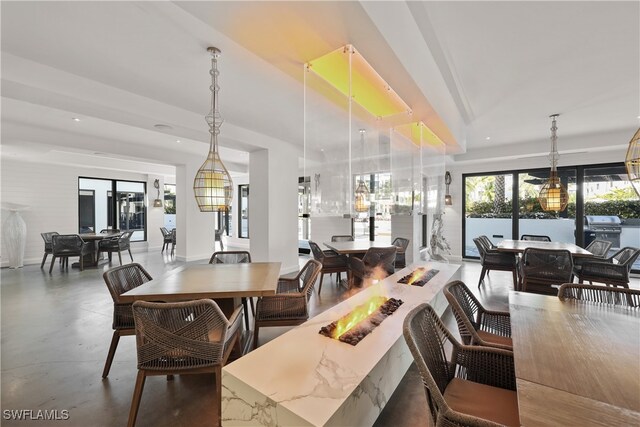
column 56, row 331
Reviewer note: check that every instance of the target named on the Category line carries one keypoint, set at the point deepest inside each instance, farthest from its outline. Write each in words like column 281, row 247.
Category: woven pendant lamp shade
column 362, row 198
column 553, row 195
column 212, row 186
column 632, row 161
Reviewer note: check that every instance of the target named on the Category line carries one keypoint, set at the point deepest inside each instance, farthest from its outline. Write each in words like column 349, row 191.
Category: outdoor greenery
column 530, row 208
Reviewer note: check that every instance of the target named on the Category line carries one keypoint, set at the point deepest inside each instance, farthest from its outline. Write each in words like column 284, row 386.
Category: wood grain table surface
column 210, row 281
column 518, row 246
column 575, row 351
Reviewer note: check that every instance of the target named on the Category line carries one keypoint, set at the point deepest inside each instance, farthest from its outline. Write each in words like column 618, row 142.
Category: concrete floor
column 56, row 331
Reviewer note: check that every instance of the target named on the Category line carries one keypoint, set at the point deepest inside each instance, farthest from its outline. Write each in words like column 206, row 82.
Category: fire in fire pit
column 419, row 277
column 363, row 319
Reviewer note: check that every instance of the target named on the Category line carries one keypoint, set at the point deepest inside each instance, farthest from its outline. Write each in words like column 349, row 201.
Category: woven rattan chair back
column 47, row 237
column 599, row 248
column 426, row 335
column 381, row 258
column 66, row 244
column 401, row 242
column 626, row 256
column 230, row 257
column 550, row 265
column 535, row 238
column 316, row 251
column 482, row 250
column 465, row 307
column 179, row 336
column 487, row 242
column 124, row 278
column 308, row 276
column 342, row 238
column 600, row 294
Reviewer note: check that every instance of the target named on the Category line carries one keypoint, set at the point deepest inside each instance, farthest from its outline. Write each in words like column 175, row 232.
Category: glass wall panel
column 406, row 172
column 488, row 209
column 131, row 209
column 559, row 226
column 608, row 192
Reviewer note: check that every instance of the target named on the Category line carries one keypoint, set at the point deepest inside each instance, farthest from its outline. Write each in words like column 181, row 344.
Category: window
column 169, row 206
column 243, row 207
column 99, row 210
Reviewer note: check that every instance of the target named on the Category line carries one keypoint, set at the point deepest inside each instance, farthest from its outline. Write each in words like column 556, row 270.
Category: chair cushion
column 482, row 401
column 495, row 339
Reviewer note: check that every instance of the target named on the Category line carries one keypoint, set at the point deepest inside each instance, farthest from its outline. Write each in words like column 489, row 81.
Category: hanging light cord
column 553, row 155
column 214, row 119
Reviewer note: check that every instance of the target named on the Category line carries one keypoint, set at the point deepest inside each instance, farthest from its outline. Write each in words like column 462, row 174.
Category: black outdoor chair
column 491, row 259
column 166, row 238
column 47, row 245
column 331, row 262
column 402, row 244
column 543, row 269
column 535, row 238
column 377, row 263
column 599, row 249
column 68, row 245
column 611, row 271
column 116, row 244
column 236, row 257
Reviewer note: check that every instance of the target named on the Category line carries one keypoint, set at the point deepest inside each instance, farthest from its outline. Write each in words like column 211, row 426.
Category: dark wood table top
column 355, row 247
column 518, row 246
column 90, row 237
column 210, row 281
column 579, row 351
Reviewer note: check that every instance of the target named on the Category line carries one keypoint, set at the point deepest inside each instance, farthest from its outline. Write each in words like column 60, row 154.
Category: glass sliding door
column 488, row 209
column 559, row 226
column 243, row 207
column 132, row 212
column 170, row 206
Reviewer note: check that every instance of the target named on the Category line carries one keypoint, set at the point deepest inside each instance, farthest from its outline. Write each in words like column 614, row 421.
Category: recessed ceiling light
column 161, row 126
column 178, row 141
column 322, row 149
column 488, row 138
column 75, row 119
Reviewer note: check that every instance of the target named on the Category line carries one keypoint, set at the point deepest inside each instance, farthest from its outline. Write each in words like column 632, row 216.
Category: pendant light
column 553, row 196
column 212, row 185
column 632, row 162
column 362, row 191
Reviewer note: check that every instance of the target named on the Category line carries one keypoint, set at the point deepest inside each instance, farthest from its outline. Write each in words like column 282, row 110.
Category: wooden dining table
column 576, row 362
column 518, row 246
column 93, row 239
column 224, row 283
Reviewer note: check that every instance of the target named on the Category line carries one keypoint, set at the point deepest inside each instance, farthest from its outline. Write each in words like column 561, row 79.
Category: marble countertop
column 310, row 376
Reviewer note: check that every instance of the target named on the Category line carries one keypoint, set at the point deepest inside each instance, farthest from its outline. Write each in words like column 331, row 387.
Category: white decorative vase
column 15, row 237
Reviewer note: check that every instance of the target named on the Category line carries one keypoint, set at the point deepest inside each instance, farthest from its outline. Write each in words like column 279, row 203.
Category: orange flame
column 357, row 315
column 417, row 275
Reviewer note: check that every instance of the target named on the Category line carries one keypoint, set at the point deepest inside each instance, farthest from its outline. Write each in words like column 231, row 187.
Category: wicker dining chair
column 600, row 294
column 48, row 246
column 377, row 263
column 475, row 386
column 477, row 325
column 599, row 249
column 166, row 238
column 192, row 337
column 491, row 259
column 290, row 305
column 173, row 241
column 613, row 271
column 487, row 242
column 541, row 269
column 236, row 257
column 342, row 238
column 402, row 244
column 68, row 245
column 120, row 280
column 116, row 244
column 218, row 238
column 535, row 238
column 109, row 230
column 331, row 262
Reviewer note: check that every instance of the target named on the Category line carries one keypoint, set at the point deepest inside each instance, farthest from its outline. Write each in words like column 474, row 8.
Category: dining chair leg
column 112, row 351
column 120, row 256
column 135, row 401
column 130, row 256
column 81, row 263
column 44, row 259
column 256, row 328
column 484, row 270
column 320, row 284
column 246, row 312
column 515, row 279
column 218, row 376
column 253, row 310
column 53, row 260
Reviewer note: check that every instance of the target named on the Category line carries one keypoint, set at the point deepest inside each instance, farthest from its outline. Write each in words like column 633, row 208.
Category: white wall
column 51, row 192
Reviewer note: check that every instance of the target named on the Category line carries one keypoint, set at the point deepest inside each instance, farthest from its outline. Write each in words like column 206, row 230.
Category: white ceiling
column 501, row 69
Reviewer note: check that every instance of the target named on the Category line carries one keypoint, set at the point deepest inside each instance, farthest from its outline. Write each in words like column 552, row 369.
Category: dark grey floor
column 56, row 331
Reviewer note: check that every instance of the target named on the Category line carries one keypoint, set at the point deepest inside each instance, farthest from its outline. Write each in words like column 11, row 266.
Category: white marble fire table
column 305, row 379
